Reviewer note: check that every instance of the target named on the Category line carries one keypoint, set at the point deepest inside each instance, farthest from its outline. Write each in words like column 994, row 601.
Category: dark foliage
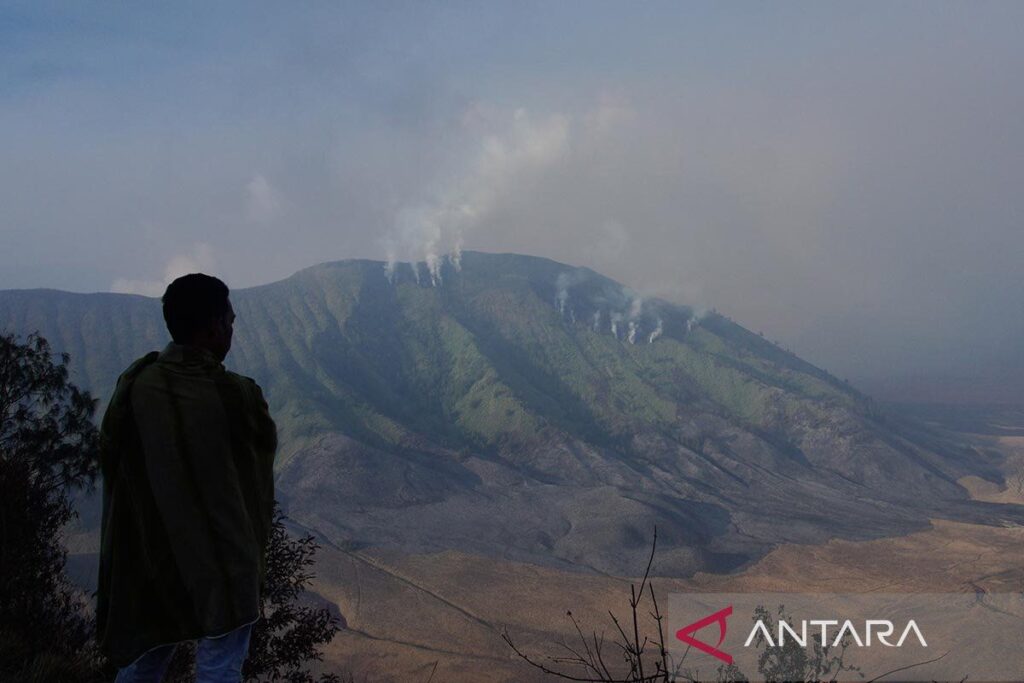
column 289, row 633
column 647, row 660
column 46, row 422
column 48, row 445
column 632, row 659
column 287, row 636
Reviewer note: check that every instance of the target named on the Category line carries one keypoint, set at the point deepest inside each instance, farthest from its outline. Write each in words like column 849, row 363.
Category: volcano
column 519, row 408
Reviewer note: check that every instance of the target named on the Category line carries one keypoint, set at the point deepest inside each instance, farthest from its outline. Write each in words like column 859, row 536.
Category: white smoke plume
column 696, row 316
column 597, row 320
column 636, row 307
column 616, row 318
column 201, row 259
column 561, row 297
column 631, row 337
column 563, row 282
column 656, row 333
column 430, row 231
column 263, row 200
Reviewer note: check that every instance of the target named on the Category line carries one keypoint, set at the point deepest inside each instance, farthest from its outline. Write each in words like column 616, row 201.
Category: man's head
column 198, row 313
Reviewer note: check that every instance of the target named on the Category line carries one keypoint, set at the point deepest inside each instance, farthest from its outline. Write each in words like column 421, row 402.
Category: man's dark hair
column 191, row 303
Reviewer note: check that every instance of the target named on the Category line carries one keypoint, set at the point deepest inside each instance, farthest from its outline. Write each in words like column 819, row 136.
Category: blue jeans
column 218, row 660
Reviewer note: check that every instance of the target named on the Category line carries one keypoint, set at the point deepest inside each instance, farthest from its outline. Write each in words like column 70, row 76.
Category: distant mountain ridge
column 518, row 407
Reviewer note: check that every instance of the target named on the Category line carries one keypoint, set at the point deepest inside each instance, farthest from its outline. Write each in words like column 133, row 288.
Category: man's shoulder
column 251, row 391
column 140, row 364
column 137, row 367
column 244, row 380
column 118, row 405
column 145, row 370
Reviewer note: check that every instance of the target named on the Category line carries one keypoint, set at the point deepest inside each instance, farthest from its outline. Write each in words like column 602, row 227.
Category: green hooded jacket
column 187, row 453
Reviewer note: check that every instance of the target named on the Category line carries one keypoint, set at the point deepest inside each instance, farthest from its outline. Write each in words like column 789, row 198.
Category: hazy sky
column 847, row 177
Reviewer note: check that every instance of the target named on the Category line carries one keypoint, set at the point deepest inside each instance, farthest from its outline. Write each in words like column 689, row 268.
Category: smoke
column 563, row 282
column 263, row 200
column 621, row 304
column 636, row 307
column 436, row 229
column 201, row 259
column 561, row 293
column 656, row 333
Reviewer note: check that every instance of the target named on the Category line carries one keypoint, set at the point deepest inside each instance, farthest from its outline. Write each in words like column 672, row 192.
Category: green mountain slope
column 524, row 408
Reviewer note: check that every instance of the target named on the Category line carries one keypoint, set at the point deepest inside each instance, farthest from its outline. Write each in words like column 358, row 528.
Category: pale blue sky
column 843, row 176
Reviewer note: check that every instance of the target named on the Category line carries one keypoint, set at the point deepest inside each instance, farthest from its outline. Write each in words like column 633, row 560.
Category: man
column 187, row 451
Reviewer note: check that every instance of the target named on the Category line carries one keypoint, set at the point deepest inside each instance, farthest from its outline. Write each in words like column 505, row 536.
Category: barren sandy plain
column 440, row 617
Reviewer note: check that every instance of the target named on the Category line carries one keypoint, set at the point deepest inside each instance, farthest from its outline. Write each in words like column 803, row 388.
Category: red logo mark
column 685, row 634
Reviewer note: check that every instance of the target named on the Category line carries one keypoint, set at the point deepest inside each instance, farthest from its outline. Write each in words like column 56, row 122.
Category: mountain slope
column 518, row 407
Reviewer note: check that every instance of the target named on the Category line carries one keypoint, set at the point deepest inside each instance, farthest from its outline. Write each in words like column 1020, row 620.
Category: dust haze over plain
column 843, row 178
